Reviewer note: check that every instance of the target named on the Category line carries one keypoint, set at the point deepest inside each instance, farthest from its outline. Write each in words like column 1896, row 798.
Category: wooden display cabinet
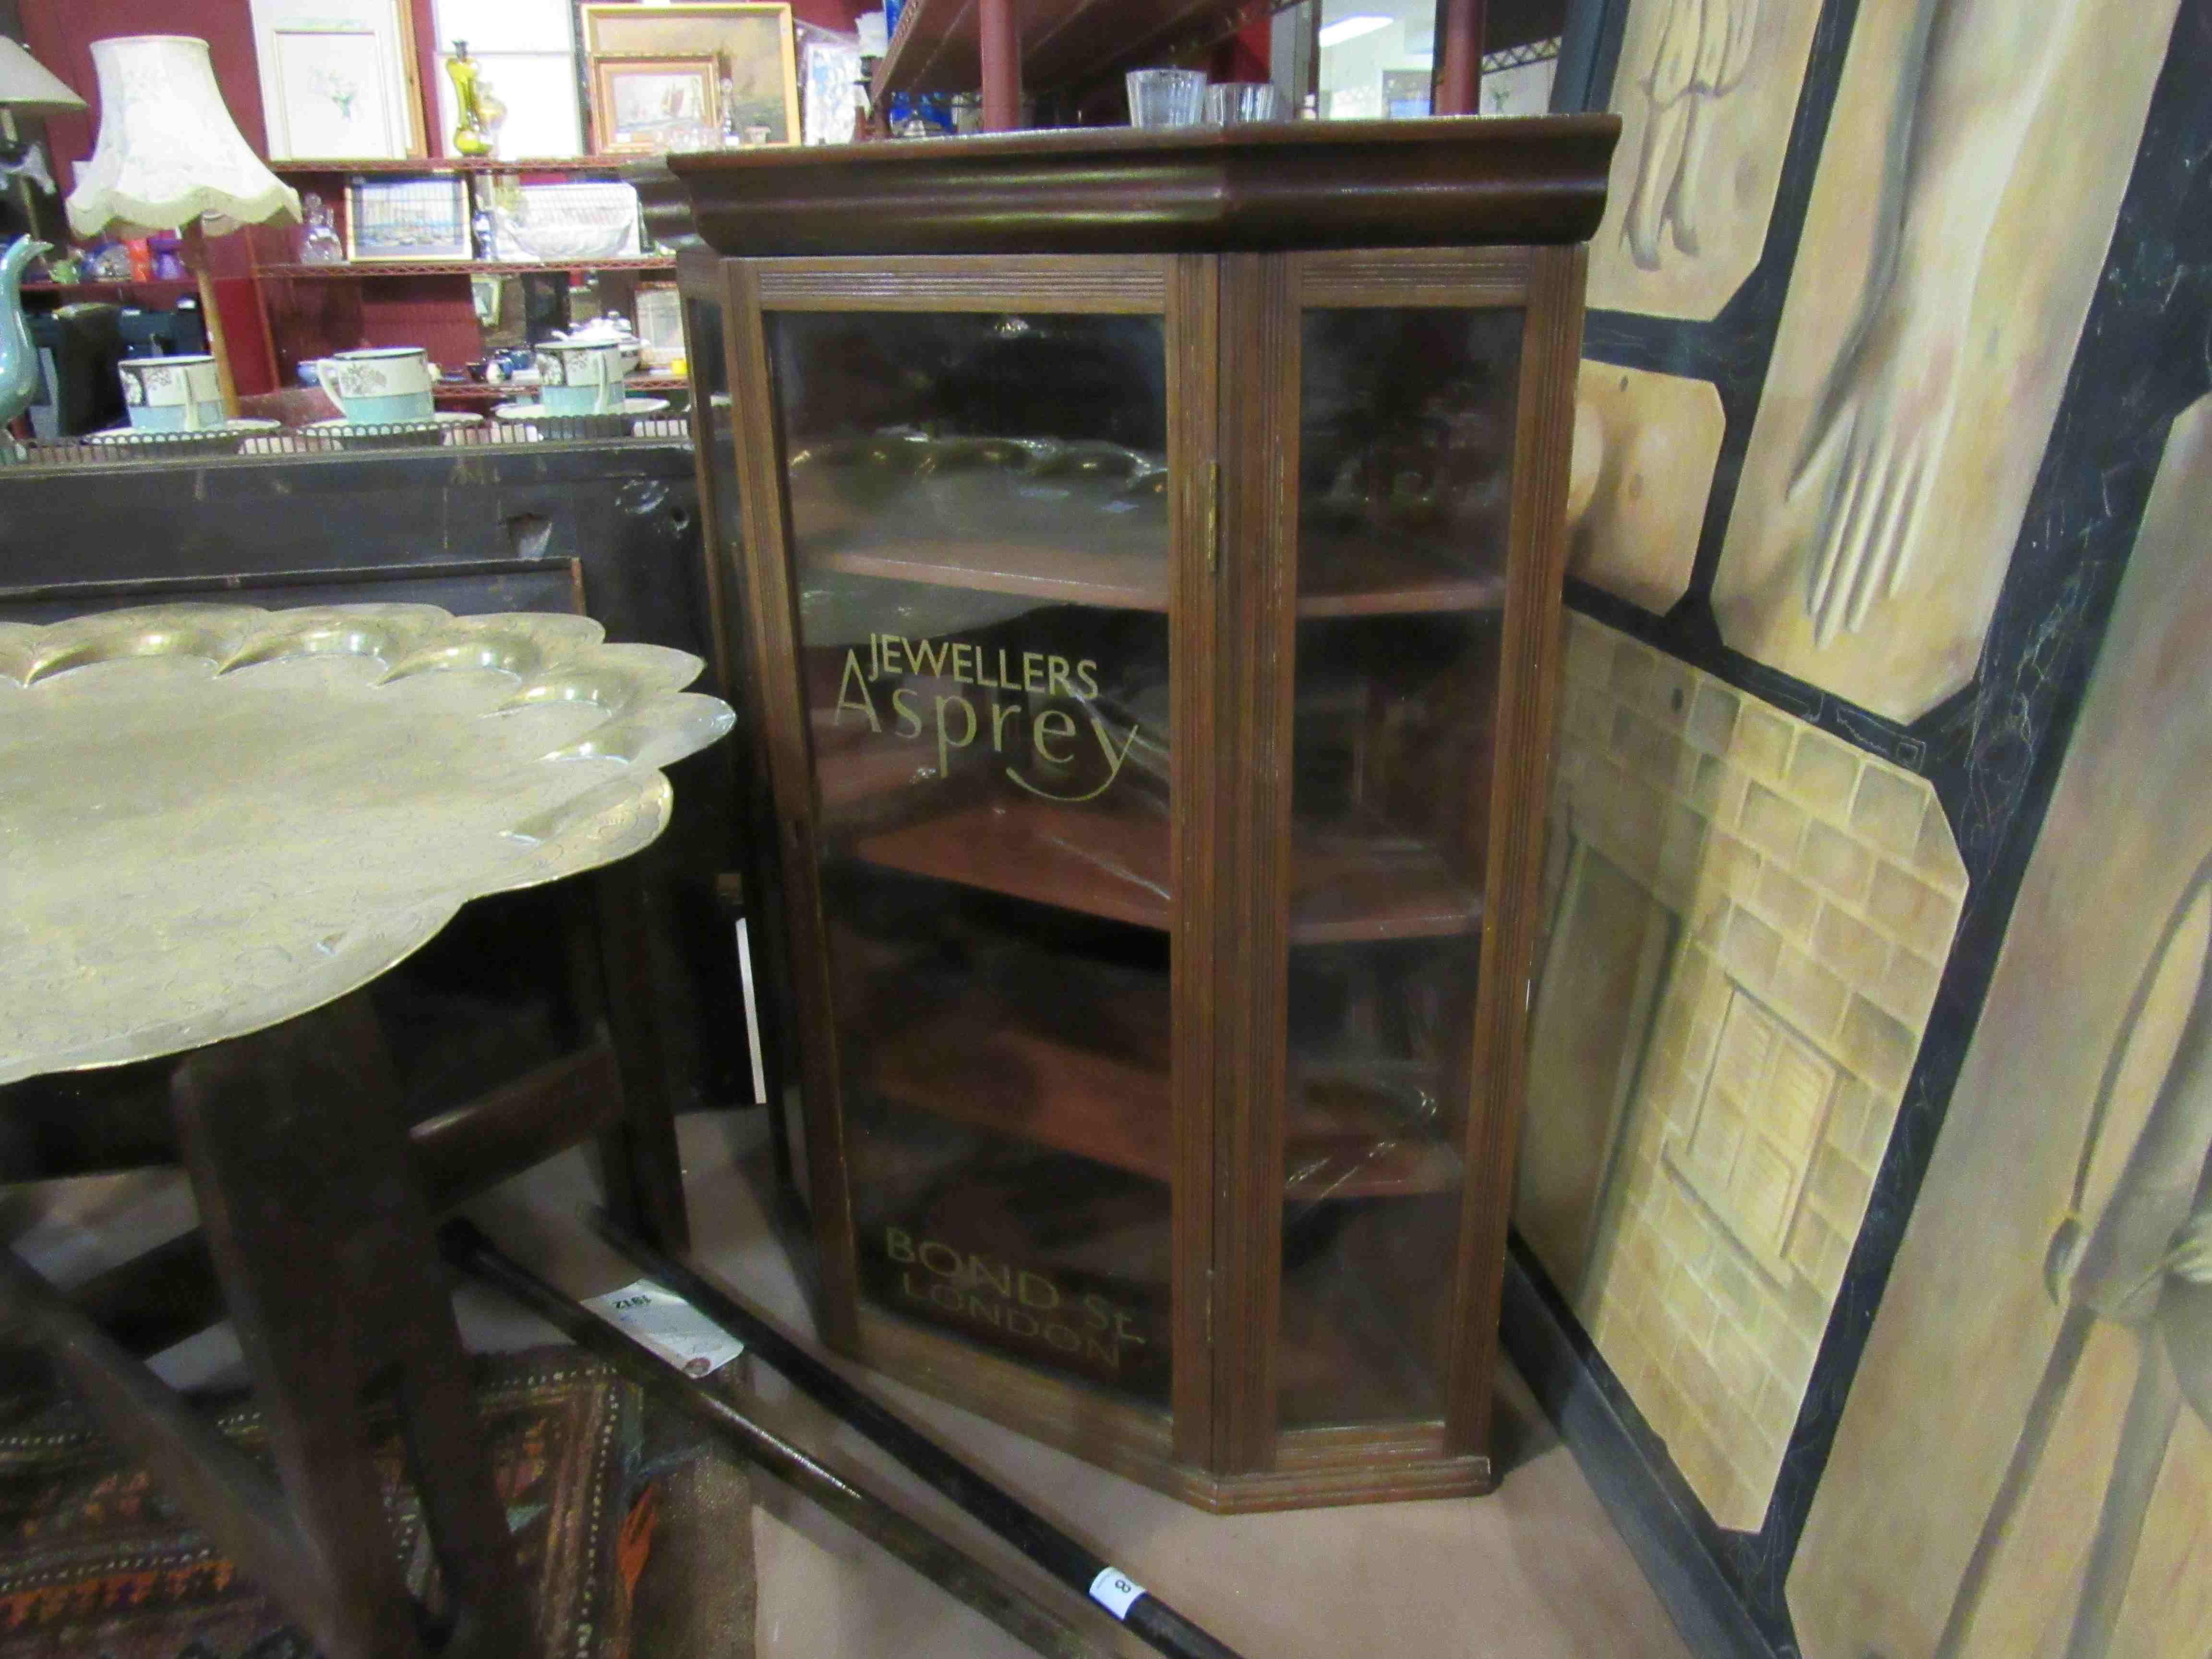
column 1142, row 553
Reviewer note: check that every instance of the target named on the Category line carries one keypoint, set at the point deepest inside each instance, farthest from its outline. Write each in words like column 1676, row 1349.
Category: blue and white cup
column 581, row 377
column 172, row 394
column 388, row 385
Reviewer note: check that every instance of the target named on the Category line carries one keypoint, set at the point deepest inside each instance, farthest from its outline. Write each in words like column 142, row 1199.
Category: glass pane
column 980, row 524
column 1405, row 477
column 1377, row 58
column 713, row 430
column 704, row 358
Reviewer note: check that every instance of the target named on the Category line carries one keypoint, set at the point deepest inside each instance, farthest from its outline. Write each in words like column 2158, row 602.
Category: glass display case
column 1144, row 554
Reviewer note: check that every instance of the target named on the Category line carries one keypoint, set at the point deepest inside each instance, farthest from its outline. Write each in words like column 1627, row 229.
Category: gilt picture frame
column 647, row 106
column 754, row 41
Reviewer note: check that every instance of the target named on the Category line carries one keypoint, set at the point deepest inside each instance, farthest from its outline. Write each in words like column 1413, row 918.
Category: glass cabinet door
column 979, row 523
column 1404, row 485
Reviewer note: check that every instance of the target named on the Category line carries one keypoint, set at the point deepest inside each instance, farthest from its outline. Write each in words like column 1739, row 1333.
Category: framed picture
column 407, row 221
column 659, row 322
column 331, row 96
column 648, row 106
column 337, row 79
column 757, row 53
column 830, row 70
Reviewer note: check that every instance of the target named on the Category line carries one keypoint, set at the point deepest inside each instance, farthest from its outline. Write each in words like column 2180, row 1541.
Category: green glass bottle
column 472, row 134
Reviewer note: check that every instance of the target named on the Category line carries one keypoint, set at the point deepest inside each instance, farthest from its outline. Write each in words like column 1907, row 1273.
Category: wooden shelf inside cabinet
column 1118, row 580
column 1340, row 577
column 1342, row 1141
column 1063, row 42
column 456, row 268
column 1109, row 864
column 1348, row 581
column 1361, row 885
column 992, row 1063
column 979, row 1063
column 1347, row 886
column 1325, row 1166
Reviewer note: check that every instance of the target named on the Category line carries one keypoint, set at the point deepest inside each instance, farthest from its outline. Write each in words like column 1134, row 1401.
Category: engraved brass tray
column 214, row 817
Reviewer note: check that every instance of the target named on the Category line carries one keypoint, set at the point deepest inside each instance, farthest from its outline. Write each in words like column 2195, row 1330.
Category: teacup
column 172, row 394
column 581, row 377
column 388, row 386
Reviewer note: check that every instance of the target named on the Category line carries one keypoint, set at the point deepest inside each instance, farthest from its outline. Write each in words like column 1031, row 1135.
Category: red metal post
column 1001, row 49
column 1459, row 88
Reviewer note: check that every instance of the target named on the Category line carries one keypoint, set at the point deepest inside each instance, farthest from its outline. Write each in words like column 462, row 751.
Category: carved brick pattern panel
column 1816, row 889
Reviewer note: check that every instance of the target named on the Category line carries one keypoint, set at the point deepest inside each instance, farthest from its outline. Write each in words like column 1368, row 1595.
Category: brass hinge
column 1213, row 517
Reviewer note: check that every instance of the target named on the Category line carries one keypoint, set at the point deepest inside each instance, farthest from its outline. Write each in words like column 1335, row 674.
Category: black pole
column 1071, row 1563
column 843, row 1495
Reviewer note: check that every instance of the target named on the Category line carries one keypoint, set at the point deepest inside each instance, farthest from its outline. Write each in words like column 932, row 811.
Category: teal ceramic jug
column 19, row 359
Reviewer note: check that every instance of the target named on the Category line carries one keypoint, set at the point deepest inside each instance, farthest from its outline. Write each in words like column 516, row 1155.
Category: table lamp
column 27, row 87
column 169, row 156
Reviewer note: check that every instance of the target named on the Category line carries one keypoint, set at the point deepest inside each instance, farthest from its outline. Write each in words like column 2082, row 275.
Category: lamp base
column 196, row 259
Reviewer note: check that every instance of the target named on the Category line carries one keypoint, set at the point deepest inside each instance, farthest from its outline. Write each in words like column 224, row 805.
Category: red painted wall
column 831, row 14
column 1243, row 55
column 60, row 33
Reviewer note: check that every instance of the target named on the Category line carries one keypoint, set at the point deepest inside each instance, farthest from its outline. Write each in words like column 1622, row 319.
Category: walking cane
column 845, row 1494
column 1071, row 1563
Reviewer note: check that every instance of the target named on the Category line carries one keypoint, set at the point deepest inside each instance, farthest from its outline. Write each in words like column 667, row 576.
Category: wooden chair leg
column 227, row 1498
column 323, row 1241
column 643, row 1169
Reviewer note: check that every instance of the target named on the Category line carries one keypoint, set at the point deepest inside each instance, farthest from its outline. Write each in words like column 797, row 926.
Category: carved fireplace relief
column 1750, row 921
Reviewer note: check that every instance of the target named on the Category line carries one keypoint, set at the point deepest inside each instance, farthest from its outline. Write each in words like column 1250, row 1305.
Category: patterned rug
column 96, row 1563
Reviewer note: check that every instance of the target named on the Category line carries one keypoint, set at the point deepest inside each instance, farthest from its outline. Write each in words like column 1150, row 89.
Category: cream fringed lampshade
column 168, row 151
column 169, row 156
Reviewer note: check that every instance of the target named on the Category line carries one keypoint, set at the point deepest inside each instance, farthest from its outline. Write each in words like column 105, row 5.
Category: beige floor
column 1533, row 1572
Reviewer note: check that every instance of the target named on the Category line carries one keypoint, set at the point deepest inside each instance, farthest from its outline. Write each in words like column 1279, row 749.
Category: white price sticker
column 1115, row 1591
column 664, row 1323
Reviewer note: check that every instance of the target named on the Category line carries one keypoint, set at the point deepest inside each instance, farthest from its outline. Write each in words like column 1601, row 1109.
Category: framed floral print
column 337, row 80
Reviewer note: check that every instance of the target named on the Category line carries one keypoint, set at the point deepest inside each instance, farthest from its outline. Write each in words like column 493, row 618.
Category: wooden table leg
column 640, row 1162
column 322, row 1242
column 213, row 1482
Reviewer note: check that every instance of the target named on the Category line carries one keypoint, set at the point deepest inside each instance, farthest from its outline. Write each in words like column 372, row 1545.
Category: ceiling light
column 1351, row 29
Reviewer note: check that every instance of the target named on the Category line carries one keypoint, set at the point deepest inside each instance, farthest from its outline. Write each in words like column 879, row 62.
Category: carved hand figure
column 1880, row 431
column 1703, row 48
column 1884, row 419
